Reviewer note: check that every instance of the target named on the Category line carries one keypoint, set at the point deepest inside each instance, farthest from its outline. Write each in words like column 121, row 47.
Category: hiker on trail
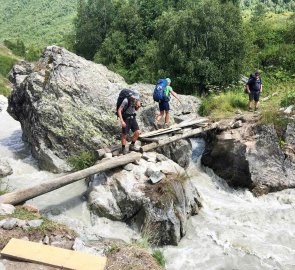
column 164, row 106
column 254, row 88
column 127, row 115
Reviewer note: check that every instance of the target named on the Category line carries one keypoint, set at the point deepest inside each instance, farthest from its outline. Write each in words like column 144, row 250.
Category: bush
column 83, row 160
column 288, row 99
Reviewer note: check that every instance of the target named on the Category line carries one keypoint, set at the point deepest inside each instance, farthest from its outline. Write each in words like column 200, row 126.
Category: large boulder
column 65, row 105
column 251, row 156
column 160, row 211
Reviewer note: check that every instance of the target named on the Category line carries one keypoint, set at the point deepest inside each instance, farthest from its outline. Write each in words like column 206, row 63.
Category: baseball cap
column 168, row 80
column 135, row 94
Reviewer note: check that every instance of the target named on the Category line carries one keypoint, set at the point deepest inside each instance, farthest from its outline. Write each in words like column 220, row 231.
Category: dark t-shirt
column 255, row 85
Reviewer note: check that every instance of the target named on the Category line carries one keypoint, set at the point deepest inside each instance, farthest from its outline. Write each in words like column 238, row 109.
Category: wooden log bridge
column 157, row 138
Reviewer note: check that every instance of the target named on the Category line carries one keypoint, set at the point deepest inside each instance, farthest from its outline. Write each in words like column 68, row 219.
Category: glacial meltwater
column 234, row 229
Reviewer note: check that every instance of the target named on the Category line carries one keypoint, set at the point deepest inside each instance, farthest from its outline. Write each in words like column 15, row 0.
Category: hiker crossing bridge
column 150, row 141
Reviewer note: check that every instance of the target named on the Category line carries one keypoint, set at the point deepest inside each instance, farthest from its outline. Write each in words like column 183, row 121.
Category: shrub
column 288, row 99
column 83, row 160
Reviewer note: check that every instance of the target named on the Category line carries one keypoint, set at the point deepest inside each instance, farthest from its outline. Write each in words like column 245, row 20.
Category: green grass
column 223, row 104
column 47, row 225
column 7, row 60
column 158, row 255
column 5, row 90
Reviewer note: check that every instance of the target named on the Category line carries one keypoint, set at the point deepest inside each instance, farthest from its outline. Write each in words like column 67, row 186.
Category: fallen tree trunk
column 20, row 196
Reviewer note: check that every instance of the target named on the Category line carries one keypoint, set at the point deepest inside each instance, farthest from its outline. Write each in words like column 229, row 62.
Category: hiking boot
column 249, row 109
column 256, row 111
column 133, row 147
column 166, row 125
column 124, row 151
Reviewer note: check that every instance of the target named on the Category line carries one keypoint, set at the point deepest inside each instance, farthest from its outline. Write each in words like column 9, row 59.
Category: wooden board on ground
column 53, row 256
column 195, row 122
column 159, row 132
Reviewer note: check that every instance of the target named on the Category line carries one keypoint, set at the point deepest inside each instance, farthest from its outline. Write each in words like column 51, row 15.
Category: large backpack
column 249, row 81
column 159, row 91
column 125, row 93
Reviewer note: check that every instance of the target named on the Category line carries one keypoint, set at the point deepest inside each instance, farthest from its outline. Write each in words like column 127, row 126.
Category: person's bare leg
column 135, row 136
column 167, row 118
column 123, row 139
column 256, row 105
column 249, row 105
column 159, row 116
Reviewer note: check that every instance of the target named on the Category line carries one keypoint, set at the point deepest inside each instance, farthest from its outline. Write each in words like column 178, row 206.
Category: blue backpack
column 159, row 91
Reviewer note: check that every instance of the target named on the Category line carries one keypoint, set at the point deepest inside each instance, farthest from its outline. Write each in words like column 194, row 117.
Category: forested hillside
column 202, row 44
column 36, row 22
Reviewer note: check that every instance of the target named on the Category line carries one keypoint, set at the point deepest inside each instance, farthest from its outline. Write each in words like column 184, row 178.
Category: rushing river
column 234, row 230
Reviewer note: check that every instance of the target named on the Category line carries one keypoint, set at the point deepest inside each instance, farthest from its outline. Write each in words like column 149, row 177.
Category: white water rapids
column 233, row 230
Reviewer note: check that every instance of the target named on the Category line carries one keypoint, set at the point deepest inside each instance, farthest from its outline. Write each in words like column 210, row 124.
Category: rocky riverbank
column 26, row 223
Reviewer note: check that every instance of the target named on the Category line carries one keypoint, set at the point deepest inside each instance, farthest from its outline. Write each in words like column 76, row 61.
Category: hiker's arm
column 123, row 124
column 260, row 88
column 137, row 105
column 248, row 89
column 175, row 95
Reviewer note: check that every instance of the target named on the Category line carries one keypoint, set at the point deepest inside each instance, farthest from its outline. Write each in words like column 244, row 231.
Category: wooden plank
column 174, row 138
column 200, row 122
column 20, row 196
column 53, row 256
column 159, row 132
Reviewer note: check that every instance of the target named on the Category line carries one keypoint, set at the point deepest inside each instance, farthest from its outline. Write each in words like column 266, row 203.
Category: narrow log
column 20, row 196
column 174, row 138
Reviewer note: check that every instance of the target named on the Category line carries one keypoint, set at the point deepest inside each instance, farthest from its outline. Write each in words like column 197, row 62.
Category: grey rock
column 65, row 105
column 35, row 223
column 10, row 223
column 6, row 209
column 129, row 167
column 157, row 177
column 179, row 151
column 79, row 245
column 237, row 124
column 289, row 110
column 128, row 196
column 46, row 240
column 252, row 158
column 5, row 168
column 22, row 224
column 149, row 171
column 2, row 267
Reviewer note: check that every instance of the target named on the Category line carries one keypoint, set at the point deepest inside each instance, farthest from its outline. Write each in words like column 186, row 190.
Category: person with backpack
column 254, row 88
column 128, row 104
column 163, row 100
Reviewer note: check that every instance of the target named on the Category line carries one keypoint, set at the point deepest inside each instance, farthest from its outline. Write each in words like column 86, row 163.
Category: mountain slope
column 36, row 22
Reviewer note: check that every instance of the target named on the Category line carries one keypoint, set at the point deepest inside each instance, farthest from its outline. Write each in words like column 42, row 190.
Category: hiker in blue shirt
column 254, row 88
column 164, row 106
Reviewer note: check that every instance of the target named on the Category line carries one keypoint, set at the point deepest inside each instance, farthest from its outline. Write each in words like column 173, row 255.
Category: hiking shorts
column 254, row 95
column 131, row 123
column 164, row 106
